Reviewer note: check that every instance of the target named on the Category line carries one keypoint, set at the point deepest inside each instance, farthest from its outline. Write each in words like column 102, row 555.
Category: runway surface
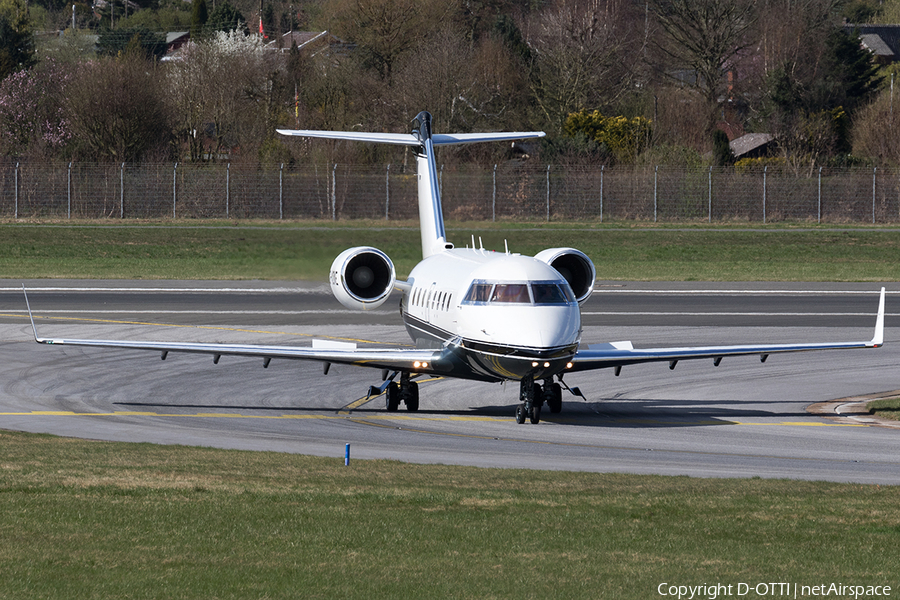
column 740, row 419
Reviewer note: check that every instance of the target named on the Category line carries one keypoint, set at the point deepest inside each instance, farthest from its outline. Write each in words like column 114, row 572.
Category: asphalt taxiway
column 740, row 419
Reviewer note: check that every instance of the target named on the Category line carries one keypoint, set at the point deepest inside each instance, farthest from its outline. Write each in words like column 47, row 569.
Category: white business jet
column 473, row 313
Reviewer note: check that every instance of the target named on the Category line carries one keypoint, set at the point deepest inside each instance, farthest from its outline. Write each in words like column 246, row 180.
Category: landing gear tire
column 535, row 414
column 412, row 397
column 554, row 398
column 520, row 414
column 392, row 397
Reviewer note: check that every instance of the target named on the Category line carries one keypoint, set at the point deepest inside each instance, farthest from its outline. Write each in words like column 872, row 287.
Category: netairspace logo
column 771, row 590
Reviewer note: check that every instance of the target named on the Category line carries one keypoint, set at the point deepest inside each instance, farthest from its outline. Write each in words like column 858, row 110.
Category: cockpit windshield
column 533, row 292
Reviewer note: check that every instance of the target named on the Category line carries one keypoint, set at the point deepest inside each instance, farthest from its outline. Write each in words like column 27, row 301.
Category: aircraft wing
column 618, row 354
column 423, row 361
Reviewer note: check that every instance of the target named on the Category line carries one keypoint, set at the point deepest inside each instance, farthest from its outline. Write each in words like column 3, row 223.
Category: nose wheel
column 533, row 396
column 532, row 399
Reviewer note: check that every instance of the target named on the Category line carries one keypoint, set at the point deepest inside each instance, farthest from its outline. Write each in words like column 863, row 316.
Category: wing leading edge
column 422, row 361
column 619, row 354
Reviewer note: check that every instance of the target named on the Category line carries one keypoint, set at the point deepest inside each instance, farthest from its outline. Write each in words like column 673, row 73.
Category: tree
column 116, row 109
column 385, row 30
column 467, row 86
column 583, row 56
column 221, row 94
column 810, row 109
column 33, row 120
column 16, row 38
column 199, row 16
column 225, row 17
column 706, row 37
column 722, row 154
column 114, row 42
column 623, row 138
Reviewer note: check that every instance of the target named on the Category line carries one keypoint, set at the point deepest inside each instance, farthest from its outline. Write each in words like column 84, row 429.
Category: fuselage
column 504, row 316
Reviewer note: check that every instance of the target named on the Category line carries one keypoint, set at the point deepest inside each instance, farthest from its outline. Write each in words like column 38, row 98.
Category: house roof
column 877, row 46
column 749, row 142
column 882, row 40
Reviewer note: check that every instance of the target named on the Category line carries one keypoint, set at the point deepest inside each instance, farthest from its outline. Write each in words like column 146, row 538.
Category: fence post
column 655, row 198
column 548, row 193
column 333, row 196
column 387, row 191
column 69, row 192
column 874, row 172
column 174, row 188
column 710, row 194
column 16, row 185
column 602, row 168
column 122, row 191
column 228, row 191
column 494, row 197
column 281, row 192
column 765, row 170
column 819, row 219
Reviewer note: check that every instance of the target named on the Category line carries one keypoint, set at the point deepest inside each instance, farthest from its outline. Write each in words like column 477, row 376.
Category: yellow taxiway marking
column 344, row 414
column 366, row 399
column 803, row 424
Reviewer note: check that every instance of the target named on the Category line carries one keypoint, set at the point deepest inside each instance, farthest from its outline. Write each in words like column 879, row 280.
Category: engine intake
column 575, row 267
column 362, row 278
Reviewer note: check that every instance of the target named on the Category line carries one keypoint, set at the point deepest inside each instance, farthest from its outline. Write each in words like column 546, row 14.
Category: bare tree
column 702, row 40
column 584, row 57
column 385, row 30
column 116, row 109
column 220, row 94
column 464, row 85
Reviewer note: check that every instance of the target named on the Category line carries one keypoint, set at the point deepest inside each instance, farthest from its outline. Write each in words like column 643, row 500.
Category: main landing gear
column 406, row 391
column 534, row 396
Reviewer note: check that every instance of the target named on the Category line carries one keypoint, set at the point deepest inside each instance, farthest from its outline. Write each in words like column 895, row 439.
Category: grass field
column 81, row 519
column 889, row 408
column 257, row 250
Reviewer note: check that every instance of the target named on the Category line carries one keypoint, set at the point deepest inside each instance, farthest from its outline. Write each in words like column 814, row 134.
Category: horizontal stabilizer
column 402, row 139
column 409, row 139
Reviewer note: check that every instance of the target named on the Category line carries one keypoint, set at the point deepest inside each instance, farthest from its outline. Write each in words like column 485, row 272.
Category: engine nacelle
column 362, row 278
column 575, row 267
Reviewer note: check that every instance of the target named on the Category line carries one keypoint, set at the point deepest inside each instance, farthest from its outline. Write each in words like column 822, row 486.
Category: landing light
column 569, row 365
column 534, row 364
column 546, row 364
column 418, row 364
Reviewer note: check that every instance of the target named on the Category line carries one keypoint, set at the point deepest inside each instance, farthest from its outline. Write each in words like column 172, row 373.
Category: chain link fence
column 521, row 191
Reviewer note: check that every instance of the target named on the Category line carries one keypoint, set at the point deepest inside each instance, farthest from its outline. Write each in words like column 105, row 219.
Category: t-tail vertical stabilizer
column 431, row 218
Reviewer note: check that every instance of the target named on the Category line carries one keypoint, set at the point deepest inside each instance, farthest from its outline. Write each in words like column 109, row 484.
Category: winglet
column 30, row 316
column 878, row 339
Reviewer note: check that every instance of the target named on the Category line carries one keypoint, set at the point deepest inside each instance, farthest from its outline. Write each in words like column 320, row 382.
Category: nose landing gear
column 533, row 396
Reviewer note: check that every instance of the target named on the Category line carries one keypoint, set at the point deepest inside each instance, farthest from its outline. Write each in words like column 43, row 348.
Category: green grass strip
column 888, row 408
column 82, row 519
column 304, row 251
